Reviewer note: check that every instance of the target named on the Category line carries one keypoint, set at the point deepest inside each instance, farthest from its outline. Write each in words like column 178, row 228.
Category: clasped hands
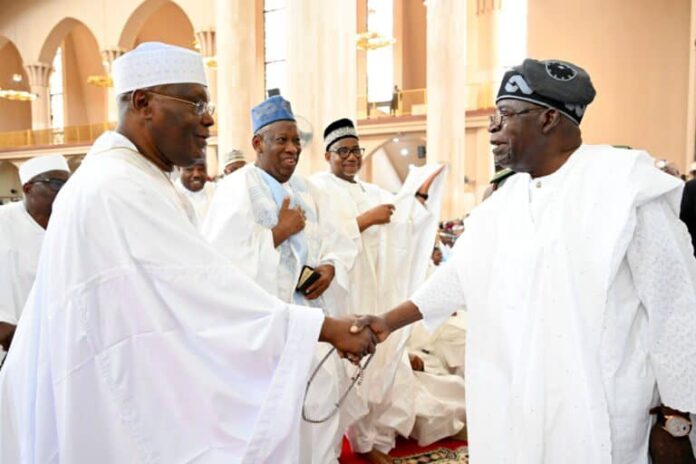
column 355, row 336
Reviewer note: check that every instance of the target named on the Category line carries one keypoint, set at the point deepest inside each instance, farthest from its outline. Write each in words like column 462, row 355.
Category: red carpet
column 405, row 448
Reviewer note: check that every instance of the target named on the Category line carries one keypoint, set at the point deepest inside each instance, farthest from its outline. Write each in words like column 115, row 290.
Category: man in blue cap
column 580, row 287
column 263, row 216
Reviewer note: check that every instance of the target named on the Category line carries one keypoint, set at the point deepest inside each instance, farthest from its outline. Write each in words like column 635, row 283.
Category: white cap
column 155, row 63
column 35, row 166
column 232, row 156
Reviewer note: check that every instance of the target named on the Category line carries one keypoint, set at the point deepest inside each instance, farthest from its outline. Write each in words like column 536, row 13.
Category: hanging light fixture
column 17, row 95
column 100, row 80
column 373, row 40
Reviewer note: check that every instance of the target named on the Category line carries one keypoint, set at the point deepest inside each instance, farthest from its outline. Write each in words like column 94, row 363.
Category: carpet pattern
column 439, row 456
column 447, row 451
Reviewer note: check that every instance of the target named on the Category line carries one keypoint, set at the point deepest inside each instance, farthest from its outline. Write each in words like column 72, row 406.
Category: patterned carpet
column 439, row 455
column 446, row 451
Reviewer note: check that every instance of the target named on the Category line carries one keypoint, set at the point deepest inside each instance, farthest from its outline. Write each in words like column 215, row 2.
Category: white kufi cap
column 156, row 63
column 35, row 166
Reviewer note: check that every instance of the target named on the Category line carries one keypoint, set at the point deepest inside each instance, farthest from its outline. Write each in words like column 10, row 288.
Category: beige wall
column 637, row 53
column 167, row 24
column 14, row 115
column 414, row 34
column 84, row 103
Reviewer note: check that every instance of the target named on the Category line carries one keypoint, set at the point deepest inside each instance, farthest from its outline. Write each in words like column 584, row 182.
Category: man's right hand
column 377, row 325
column 290, row 222
column 339, row 333
column 378, row 215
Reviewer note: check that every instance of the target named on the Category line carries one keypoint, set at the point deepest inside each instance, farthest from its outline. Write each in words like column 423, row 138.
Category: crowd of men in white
column 184, row 314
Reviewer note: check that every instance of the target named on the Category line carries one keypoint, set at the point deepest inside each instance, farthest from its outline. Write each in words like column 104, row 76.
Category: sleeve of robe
column 142, row 343
column 8, row 311
column 662, row 264
column 443, row 293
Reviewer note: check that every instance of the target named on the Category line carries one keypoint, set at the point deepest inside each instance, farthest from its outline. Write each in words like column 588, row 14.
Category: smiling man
column 140, row 342
column 263, row 216
column 580, row 287
column 391, row 237
column 193, row 184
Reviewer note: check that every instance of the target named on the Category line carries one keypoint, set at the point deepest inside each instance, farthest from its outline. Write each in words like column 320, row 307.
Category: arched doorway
column 14, row 115
column 80, row 58
column 158, row 20
column 10, row 187
column 390, row 161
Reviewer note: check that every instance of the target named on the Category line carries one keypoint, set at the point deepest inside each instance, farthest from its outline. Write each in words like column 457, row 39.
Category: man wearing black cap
column 391, row 237
column 580, row 288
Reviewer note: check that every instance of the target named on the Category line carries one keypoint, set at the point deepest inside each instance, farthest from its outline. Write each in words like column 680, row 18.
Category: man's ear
column 141, row 103
column 26, row 188
column 256, row 142
column 327, row 156
column 551, row 119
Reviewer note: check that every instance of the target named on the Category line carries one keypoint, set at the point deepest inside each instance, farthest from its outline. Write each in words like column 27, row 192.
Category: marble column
column 108, row 57
column 322, row 69
column 447, row 98
column 206, row 40
column 38, row 74
column 239, row 74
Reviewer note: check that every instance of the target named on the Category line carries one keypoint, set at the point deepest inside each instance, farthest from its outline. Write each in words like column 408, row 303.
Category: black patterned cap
column 551, row 83
column 338, row 130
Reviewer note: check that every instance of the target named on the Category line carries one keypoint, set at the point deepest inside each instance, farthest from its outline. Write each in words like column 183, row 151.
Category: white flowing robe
column 390, row 262
column 20, row 243
column 440, row 389
column 240, row 218
column 581, row 296
column 141, row 343
column 200, row 200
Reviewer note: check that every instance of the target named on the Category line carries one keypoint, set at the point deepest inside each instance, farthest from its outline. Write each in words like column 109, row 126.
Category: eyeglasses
column 497, row 118
column 201, row 107
column 344, row 152
column 53, row 184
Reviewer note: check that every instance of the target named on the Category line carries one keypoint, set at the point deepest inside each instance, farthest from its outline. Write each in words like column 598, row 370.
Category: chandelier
column 17, row 95
column 373, row 41
column 100, row 81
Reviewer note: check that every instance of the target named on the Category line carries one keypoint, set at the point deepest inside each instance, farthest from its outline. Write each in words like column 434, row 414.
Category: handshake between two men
column 357, row 336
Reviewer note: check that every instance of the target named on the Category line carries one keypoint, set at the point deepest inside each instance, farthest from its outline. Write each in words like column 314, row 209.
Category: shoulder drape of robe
column 141, row 343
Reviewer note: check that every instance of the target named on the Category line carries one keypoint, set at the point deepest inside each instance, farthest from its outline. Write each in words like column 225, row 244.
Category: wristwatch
column 677, row 426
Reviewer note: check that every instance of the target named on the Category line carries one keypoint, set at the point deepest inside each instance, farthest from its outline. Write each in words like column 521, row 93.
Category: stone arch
column 85, row 103
column 159, row 20
column 389, row 160
column 14, row 115
column 10, row 187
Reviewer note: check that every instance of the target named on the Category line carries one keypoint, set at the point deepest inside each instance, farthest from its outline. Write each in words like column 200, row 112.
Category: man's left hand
column 327, row 273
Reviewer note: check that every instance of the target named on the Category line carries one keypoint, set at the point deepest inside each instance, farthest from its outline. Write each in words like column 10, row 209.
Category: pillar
column 447, row 97
column 238, row 73
column 108, row 57
column 322, row 69
column 38, row 74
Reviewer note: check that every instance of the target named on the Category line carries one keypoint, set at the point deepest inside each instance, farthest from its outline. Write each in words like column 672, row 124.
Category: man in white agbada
column 264, row 218
column 580, row 287
column 193, row 184
column 140, row 342
column 232, row 160
column 22, row 228
column 391, row 241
